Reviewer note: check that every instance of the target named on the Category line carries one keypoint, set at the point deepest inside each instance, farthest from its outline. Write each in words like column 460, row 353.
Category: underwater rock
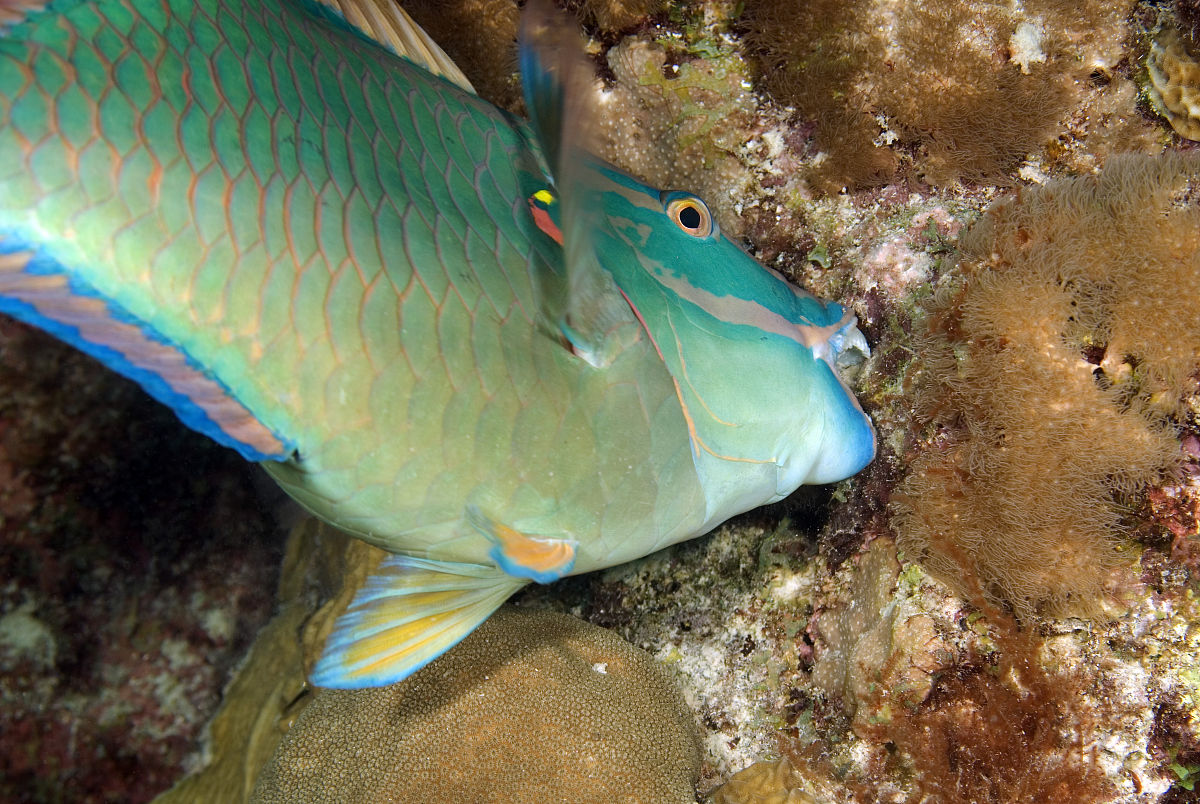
column 137, row 563
column 1174, row 85
column 533, row 706
column 878, row 653
column 253, row 718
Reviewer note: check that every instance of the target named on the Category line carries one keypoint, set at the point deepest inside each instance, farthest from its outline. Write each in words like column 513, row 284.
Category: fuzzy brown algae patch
column 1062, row 329
column 954, row 89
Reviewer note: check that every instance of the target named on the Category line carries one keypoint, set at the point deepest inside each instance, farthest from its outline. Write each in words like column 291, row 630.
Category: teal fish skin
column 325, row 257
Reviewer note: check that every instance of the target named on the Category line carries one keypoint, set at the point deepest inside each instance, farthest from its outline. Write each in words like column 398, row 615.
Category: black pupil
column 689, row 217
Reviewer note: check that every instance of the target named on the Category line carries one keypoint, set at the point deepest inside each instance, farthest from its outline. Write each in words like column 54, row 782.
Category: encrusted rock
column 878, row 651
column 764, row 783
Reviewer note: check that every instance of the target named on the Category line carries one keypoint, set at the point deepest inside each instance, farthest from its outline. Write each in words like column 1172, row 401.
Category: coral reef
column 1174, row 82
column 728, row 613
column 1012, row 715
column 533, row 706
column 270, row 690
column 481, row 36
column 1061, row 329
column 137, row 563
column 795, row 630
column 1187, row 14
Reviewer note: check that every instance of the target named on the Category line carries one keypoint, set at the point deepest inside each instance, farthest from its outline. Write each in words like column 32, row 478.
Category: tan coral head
column 1174, row 86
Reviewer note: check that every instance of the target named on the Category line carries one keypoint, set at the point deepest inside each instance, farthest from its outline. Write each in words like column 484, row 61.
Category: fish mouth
column 845, row 349
column 849, row 346
column 848, row 443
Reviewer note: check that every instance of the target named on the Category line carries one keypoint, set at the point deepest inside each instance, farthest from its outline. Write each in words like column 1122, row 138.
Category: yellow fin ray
column 408, row 613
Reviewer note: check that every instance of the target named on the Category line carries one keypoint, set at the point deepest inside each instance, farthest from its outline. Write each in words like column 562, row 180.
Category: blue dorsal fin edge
column 35, row 289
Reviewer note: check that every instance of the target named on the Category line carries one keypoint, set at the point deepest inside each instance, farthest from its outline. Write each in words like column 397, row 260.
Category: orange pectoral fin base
column 523, row 556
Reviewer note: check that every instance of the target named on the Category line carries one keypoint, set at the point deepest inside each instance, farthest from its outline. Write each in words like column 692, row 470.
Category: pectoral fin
column 408, row 613
column 558, row 84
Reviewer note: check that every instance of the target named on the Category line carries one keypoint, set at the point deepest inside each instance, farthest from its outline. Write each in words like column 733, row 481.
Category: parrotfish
column 448, row 331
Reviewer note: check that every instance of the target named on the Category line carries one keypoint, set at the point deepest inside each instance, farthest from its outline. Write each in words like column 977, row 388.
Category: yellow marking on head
column 544, row 196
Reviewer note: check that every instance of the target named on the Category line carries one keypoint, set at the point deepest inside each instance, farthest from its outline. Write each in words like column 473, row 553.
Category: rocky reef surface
column 1002, row 607
column 137, row 565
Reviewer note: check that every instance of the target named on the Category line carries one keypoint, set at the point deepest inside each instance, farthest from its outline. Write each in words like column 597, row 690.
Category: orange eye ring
column 691, row 215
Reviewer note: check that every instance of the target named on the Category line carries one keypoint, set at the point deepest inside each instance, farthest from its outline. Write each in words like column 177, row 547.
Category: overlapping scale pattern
column 341, row 241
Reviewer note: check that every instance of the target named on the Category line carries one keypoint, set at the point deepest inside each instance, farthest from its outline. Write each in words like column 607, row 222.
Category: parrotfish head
column 754, row 358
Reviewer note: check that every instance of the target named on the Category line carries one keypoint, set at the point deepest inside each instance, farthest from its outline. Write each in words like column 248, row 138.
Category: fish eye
column 691, row 215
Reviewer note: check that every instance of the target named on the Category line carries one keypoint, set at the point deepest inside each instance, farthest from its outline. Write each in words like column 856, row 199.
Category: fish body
column 445, row 330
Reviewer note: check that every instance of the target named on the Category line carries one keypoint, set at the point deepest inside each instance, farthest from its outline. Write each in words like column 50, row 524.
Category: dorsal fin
column 389, row 25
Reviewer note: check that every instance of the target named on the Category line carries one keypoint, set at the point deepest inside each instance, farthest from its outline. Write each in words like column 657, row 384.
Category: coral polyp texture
column 1174, row 82
column 534, row 706
column 1048, row 380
